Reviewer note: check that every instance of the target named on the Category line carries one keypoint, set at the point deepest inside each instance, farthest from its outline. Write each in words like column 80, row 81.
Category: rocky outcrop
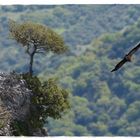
column 15, row 103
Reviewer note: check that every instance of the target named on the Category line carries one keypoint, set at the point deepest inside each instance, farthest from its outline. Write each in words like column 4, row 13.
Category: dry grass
column 4, row 116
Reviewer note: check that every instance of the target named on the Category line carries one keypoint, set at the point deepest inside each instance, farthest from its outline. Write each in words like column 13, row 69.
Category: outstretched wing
column 119, row 65
column 134, row 49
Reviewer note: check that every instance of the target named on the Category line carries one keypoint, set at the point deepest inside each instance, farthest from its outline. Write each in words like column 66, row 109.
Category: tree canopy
column 36, row 38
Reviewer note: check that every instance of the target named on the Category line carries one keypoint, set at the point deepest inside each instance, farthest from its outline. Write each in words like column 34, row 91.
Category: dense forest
column 98, row 36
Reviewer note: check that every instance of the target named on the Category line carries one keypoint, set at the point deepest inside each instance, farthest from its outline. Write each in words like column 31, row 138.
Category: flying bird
column 127, row 57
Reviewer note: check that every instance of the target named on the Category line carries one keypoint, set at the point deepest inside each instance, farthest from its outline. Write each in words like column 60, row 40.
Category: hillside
column 102, row 103
column 78, row 24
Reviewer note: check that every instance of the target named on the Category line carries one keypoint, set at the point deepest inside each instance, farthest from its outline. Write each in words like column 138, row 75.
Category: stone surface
column 14, row 100
column 14, row 103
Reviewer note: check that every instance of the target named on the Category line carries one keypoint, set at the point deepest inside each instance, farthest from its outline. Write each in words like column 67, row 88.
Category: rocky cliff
column 15, row 103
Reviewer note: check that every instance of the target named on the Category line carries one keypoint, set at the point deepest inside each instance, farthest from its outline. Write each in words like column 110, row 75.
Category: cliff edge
column 15, row 101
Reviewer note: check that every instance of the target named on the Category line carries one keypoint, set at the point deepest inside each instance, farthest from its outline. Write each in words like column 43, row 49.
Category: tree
column 36, row 38
column 48, row 99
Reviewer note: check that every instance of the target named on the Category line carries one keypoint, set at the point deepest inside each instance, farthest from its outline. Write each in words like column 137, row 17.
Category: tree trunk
column 31, row 54
column 31, row 64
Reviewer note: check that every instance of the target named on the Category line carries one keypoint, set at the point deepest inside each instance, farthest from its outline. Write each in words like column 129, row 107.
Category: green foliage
column 48, row 100
column 20, row 128
column 56, row 99
column 42, row 37
column 37, row 39
column 112, row 99
column 102, row 103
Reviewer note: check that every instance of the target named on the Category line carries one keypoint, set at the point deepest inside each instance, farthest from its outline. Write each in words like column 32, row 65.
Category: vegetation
column 102, row 103
column 4, row 116
column 109, row 97
column 37, row 39
column 48, row 100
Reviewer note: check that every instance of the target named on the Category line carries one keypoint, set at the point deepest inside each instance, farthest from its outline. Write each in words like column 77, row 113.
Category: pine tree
column 36, row 38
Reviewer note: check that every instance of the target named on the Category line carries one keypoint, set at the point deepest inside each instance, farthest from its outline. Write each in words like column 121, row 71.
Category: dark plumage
column 127, row 58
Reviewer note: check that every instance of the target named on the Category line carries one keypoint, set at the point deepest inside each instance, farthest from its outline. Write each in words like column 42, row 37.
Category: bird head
column 128, row 58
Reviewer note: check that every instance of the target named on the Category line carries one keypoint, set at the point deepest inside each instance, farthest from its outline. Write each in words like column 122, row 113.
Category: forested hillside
column 98, row 36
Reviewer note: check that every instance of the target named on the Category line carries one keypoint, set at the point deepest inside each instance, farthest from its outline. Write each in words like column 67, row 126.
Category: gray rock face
column 14, row 101
column 41, row 132
column 15, row 104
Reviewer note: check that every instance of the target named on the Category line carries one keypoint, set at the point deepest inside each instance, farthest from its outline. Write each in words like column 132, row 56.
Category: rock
column 15, row 103
column 41, row 132
column 14, row 100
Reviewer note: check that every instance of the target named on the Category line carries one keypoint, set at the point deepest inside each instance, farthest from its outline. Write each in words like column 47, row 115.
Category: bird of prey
column 127, row 57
